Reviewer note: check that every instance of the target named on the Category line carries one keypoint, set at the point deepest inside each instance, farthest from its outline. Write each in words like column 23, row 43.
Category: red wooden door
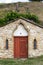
column 20, row 47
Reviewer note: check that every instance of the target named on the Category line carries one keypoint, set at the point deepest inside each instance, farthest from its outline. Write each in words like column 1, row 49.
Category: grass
column 29, row 61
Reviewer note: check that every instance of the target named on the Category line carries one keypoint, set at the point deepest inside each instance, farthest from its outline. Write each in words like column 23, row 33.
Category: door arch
column 20, row 42
column 20, row 31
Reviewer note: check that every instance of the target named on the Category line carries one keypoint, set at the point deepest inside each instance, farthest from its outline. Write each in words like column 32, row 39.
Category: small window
column 35, row 44
column 6, row 43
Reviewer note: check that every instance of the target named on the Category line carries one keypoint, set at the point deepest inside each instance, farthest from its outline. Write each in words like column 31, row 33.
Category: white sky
column 10, row 1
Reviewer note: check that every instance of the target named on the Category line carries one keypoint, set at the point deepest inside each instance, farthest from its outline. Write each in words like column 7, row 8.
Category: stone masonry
column 34, row 32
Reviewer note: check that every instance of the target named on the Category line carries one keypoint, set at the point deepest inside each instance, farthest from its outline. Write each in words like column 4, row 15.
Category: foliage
column 14, row 15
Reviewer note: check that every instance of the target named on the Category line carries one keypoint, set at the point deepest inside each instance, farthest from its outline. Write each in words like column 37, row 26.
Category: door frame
column 27, row 44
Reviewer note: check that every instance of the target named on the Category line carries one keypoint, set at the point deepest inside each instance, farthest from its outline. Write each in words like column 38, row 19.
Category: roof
column 30, row 21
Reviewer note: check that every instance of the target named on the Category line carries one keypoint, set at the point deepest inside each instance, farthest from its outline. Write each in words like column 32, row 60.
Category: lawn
column 29, row 61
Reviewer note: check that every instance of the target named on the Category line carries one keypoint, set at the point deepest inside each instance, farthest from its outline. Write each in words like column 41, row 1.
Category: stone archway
column 20, row 35
column 20, row 31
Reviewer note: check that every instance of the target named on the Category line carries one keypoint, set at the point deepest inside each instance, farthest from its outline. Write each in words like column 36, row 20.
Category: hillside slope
column 32, row 7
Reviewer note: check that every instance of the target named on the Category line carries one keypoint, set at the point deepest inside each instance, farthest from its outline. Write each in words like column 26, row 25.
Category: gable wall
column 33, row 32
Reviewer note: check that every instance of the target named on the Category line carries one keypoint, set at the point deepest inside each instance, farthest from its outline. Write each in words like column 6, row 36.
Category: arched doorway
column 20, row 42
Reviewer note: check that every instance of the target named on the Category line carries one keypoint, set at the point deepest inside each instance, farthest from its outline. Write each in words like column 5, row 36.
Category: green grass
column 29, row 61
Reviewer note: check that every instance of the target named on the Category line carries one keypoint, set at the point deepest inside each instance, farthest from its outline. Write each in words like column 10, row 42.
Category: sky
column 11, row 1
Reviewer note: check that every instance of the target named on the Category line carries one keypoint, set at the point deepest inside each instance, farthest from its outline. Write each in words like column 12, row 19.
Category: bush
column 30, row 16
column 14, row 15
column 34, row 18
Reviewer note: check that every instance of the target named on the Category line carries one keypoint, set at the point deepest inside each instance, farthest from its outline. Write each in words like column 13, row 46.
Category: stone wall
column 34, row 31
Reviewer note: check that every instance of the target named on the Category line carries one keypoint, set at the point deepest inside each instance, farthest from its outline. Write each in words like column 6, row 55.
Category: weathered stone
column 7, row 32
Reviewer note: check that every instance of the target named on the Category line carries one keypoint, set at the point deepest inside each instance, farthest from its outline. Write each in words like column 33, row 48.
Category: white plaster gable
column 20, row 31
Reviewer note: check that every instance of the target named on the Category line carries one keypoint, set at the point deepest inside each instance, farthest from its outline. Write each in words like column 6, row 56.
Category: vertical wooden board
column 24, row 47
column 16, row 47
